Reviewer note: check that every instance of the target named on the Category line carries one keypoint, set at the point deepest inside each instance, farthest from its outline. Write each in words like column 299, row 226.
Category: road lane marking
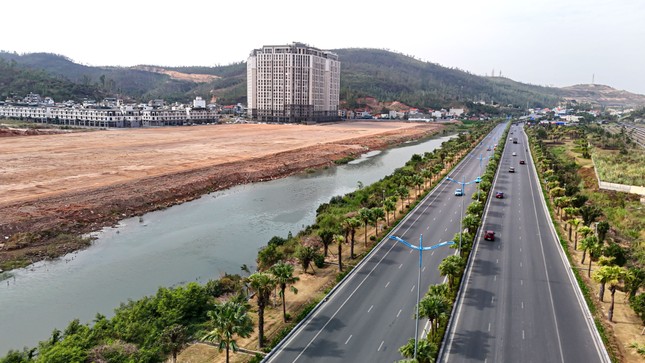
column 379, row 347
column 520, row 264
column 388, row 284
column 411, row 251
column 497, row 261
column 488, row 326
column 412, row 289
column 522, row 282
column 370, row 309
column 347, row 341
column 520, row 249
column 423, row 269
column 446, row 230
column 401, row 265
column 492, row 300
column 522, row 334
column 399, row 313
column 432, row 253
column 522, row 305
column 495, row 278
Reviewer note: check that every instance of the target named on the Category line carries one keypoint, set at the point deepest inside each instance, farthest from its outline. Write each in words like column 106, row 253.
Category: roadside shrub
column 319, row 260
column 618, row 253
column 638, row 304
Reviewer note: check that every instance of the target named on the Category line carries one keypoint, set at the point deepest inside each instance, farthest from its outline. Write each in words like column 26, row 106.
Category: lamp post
column 419, row 248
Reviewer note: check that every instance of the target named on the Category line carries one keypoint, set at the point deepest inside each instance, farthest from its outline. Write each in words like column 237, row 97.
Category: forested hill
column 390, row 76
column 380, row 74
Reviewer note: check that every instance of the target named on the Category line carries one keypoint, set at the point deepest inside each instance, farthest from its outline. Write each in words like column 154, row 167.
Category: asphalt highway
column 370, row 315
column 521, row 302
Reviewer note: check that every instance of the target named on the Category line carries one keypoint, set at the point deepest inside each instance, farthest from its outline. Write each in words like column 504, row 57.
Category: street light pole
column 419, row 248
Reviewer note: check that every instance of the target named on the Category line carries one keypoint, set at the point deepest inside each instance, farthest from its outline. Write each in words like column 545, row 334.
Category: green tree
column 230, row 319
column 305, row 255
column 326, row 236
column 611, row 275
column 433, row 308
column 262, row 285
column 426, row 351
column 352, row 224
column 602, row 228
column 634, row 278
column 451, row 266
column 574, row 223
column 587, row 244
column 585, row 232
column 402, row 192
column 589, row 214
column 283, row 275
column 174, row 338
column 377, row 214
column 365, row 215
column 339, row 240
column 389, row 206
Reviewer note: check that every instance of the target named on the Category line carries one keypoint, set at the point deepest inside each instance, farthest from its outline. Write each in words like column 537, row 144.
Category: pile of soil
column 45, row 193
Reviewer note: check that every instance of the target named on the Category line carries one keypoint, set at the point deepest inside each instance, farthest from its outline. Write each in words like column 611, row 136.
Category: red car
column 489, row 236
column 499, row 195
column 521, row 161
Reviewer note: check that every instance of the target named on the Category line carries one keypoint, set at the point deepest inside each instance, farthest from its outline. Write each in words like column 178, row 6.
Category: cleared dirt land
column 79, row 182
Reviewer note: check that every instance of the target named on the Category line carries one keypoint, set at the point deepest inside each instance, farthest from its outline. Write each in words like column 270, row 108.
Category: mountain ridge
column 386, row 76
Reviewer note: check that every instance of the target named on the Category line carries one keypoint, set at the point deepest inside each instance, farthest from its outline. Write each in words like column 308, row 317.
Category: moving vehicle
column 514, row 153
column 489, row 235
column 511, row 169
column 499, row 195
column 515, row 140
column 522, row 162
column 478, row 180
column 459, row 192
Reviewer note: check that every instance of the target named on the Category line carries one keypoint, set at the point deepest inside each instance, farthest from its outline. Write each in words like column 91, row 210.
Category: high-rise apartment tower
column 293, row 83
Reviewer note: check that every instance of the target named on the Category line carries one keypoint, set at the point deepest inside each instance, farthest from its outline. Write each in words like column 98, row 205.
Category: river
column 194, row 241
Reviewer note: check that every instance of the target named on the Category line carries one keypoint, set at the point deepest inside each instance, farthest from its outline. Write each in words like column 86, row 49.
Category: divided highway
column 370, row 315
column 520, row 302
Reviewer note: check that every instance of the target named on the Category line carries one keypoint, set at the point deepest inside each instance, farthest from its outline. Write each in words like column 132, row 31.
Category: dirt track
column 79, row 182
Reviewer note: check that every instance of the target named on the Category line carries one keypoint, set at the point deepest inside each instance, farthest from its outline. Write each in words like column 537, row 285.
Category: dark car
column 499, row 195
column 511, row 169
column 489, row 235
column 522, row 162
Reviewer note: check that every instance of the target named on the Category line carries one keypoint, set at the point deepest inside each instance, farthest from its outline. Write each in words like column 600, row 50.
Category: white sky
column 545, row 42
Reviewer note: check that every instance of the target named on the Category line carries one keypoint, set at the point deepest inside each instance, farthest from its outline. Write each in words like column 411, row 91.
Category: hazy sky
column 545, row 42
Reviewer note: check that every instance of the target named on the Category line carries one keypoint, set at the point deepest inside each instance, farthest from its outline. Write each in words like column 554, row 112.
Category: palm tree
column 471, row 222
column 352, row 224
column 365, row 215
column 339, row 240
column 426, row 174
column 433, row 308
column 418, row 181
column 611, row 275
column 604, row 275
column 305, row 254
column 451, row 267
column 389, row 206
column 402, row 192
column 426, row 351
column 230, row 319
column 326, row 237
column 262, row 285
column 283, row 275
column 574, row 223
column 634, row 279
column 377, row 213
column 584, row 231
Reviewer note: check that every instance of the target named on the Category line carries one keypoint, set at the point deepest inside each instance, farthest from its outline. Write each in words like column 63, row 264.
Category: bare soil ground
column 80, row 182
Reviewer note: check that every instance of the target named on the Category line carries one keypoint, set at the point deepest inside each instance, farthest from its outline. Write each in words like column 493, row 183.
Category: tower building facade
column 293, row 83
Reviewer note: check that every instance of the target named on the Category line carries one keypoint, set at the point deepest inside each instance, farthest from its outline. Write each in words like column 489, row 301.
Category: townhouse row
column 109, row 117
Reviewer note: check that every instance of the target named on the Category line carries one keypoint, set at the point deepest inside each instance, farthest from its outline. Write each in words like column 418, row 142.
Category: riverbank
column 74, row 184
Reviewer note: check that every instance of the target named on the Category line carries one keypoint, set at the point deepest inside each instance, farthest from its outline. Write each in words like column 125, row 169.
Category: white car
column 514, row 154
